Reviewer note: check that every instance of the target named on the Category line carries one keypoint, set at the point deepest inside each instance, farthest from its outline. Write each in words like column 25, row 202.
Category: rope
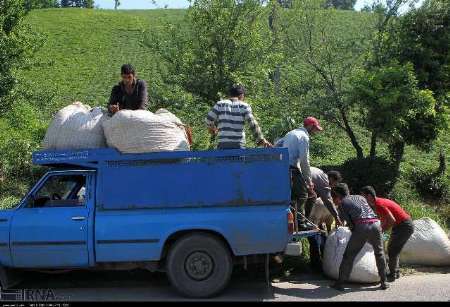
column 308, row 220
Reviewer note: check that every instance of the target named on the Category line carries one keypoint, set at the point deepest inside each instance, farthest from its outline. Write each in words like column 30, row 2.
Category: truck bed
column 225, row 178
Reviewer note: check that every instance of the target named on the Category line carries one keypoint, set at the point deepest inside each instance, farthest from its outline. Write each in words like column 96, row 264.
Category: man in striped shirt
column 227, row 119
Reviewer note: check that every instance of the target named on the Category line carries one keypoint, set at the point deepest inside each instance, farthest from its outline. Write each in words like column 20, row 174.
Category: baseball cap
column 312, row 121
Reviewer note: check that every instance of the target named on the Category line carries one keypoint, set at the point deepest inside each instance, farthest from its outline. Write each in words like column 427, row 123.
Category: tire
column 199, row 265
column 9, row 277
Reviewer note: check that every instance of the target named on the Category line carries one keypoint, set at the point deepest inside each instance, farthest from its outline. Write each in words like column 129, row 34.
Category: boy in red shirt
column 391, row 216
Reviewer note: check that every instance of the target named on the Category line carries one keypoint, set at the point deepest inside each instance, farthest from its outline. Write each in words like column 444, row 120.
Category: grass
column 84, row 50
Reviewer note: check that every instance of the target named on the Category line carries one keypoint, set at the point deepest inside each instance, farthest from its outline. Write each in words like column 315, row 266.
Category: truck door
column 51, row 228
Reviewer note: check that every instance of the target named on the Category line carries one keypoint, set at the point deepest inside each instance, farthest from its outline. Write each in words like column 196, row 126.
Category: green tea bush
column 9, row 202
column 433, row 184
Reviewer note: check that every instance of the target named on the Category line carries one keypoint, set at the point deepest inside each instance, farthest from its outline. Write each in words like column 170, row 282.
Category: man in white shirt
column 297, row 142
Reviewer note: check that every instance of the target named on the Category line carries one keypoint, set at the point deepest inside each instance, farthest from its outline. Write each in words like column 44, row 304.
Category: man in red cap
column 297, row 142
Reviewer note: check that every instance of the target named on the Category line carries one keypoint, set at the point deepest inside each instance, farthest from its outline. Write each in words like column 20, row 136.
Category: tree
column 424, row 37
column 116, row 4
column 89, row 4
column 388, row 68
column 78, row 3
column 40, row 4
column 223, row 42
column 285, row 3
column 341, row 4
column 17, row 44
column 382, row 44
column 395, row 109
column 325, row 61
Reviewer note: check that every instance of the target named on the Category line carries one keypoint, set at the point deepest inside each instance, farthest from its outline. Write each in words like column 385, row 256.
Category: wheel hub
column 199, row 266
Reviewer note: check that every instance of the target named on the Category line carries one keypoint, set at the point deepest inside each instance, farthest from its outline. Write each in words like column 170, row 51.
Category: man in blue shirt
column 297, row 143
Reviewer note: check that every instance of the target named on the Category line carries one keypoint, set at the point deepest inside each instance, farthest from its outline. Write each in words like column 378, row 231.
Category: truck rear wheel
column 199, row 265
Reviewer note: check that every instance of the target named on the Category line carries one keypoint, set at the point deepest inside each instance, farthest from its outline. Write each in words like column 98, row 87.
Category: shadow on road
column 430, row 269
column 93, row 279
column 317, row 286
column 320, row 290
column 139, row 285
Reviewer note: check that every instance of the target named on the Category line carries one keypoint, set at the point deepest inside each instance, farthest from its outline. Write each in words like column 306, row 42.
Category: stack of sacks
column 142, row 131
column 428, row 245
column 76, row 126
column 364, row 268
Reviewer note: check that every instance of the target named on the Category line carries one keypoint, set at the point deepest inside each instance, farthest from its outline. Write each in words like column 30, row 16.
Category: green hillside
column 81, row 59
column 84, row 50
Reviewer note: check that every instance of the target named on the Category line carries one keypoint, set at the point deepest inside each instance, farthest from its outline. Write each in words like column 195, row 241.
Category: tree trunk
column 351, row 135
column 373, row 145
column 442, row 163
column 397, row 150
column 273, row 20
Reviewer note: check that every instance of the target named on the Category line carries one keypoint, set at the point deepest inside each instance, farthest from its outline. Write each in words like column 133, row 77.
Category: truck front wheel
column 199, row 265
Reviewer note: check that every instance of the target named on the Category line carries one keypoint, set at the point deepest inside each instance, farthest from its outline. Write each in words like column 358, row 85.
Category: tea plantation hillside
column 84, row 50
column 80, row 60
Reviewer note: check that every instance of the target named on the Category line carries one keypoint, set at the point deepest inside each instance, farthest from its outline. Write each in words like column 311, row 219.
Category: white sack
column 76, row 126
column 364, row 268
column 165, row 114
column 139, row 131
column 428, row 245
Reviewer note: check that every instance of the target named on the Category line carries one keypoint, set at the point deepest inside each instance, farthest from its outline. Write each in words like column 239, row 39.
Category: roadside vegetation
column 378, row 81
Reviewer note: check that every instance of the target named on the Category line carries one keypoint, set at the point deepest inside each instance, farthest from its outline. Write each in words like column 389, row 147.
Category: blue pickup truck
column 191, row 214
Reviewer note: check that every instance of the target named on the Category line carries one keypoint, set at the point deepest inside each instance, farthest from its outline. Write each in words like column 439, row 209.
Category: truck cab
column 191, row 214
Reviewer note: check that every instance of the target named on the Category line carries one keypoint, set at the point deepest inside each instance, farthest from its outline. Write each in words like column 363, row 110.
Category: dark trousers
column 399, row 236
column 316, row 242
column 309, row 204
column 299, row 191
column 230, row 146
column 361, row 234
column 316, row 248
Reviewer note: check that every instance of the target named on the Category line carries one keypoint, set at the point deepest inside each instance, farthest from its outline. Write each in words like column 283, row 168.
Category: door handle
column 78, row 218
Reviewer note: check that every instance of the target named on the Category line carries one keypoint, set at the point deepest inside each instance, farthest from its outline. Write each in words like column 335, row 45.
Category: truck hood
column 7, row 213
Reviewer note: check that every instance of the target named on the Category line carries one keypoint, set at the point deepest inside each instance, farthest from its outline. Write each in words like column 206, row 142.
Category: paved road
column 146, row 286
column 433, row 287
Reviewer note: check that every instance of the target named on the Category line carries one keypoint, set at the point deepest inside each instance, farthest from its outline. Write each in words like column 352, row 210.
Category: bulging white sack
column 428, row 245
column 139, row 131
column 364, row 268
column 76, row 126
column 165, row 114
